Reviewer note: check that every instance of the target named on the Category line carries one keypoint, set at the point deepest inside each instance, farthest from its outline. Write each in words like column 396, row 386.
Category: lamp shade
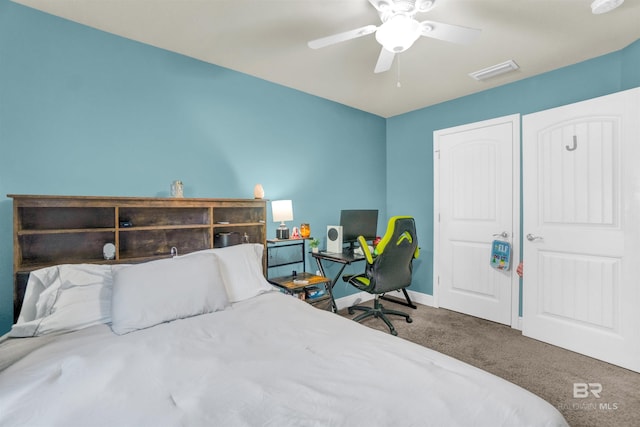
column 282, row 210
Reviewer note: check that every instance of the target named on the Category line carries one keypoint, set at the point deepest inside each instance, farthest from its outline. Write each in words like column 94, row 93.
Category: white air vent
column 495, row 70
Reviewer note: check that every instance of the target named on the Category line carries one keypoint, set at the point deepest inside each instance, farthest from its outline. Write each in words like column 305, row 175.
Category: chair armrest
column 365, row 249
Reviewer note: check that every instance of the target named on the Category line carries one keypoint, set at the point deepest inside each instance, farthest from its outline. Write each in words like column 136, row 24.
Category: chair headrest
column 407, row 235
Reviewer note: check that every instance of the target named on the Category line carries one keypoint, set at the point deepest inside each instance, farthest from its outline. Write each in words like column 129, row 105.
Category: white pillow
column 241, row 267
column 65, row 298
column 39, row 281
column 147, row 294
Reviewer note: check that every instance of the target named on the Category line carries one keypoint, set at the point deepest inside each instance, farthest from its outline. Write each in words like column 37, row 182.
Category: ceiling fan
column 399, row 29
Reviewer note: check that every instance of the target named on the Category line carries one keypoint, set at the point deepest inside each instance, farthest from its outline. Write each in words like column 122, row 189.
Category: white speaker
column 334, row 239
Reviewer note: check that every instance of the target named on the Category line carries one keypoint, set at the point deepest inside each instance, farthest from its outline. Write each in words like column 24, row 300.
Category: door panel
column 581, row 216
column 474, row 199
column 473, row 178
column 474, row 279
column 580, row 289
column 579, row 185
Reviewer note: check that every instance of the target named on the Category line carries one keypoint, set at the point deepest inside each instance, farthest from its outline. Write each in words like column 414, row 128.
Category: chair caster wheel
column 394, row 332
column 409, row 320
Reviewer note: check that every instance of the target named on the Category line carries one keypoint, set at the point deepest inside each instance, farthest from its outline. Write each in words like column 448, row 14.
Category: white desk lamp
column 282, row 211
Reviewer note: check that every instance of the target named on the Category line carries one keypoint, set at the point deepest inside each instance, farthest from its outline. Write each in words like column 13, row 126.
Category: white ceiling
column 268, row 39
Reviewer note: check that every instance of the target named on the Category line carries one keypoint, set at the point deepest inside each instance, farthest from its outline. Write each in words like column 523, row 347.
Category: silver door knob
column 533, row 238
column 504, row 235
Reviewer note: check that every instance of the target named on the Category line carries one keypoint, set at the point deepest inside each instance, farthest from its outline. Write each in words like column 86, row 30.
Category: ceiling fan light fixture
column 603, row 6
column 425, row 5
column 398, row 33
column 383, row 5
column 426, row 27
column 495, row 70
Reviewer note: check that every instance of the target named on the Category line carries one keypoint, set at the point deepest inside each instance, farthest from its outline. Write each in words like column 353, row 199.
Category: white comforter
column 267, row 361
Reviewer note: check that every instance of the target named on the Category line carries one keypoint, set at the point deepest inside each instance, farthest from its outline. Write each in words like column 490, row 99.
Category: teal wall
column 84, row 112
column 410, row 136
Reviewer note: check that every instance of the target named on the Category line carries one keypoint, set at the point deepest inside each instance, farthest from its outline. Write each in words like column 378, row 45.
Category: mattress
column 269, row 360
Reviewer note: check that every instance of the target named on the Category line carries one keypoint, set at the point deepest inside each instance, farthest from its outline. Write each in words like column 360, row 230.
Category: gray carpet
column 545, row 370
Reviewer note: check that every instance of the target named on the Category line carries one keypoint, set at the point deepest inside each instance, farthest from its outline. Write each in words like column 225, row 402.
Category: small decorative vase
column 177, row 189
column 305, row 231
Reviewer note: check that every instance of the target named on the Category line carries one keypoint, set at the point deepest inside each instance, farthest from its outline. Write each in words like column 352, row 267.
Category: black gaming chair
column 388, row 268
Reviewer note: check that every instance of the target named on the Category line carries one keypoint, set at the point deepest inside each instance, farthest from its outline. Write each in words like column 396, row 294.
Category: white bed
column 259, row 359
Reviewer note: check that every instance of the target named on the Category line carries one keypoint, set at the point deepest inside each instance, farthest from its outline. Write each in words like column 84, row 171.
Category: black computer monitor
column 358, row 222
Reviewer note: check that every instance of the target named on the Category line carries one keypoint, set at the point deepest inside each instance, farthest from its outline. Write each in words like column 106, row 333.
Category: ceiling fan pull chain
column 398, row 85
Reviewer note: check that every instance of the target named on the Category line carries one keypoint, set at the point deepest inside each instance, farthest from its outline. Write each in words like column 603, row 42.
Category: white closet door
column 581, row 179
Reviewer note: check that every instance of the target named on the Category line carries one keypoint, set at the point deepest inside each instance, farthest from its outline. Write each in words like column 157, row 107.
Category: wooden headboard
column 51, row 230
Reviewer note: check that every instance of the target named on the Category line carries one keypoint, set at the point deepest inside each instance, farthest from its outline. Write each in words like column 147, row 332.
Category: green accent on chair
column 364, row 281
column 404, row 236
column 365, row 249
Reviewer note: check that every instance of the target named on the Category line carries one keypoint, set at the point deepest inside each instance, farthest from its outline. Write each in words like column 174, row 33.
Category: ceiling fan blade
column 381, row 5
column 341, row 37
column 385, row 60
column 448, row 32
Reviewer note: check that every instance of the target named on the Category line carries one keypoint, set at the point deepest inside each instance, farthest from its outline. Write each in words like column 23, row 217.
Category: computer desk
column 345, row 258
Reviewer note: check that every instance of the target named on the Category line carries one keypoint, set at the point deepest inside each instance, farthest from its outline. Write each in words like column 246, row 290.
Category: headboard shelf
column 40, row 218
column 28, row 267
column 243, row 224
column 51, row 230
column 65, row 231
column 164, row 227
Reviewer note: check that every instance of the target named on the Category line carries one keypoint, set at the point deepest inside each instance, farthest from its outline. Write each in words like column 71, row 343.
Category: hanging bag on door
column 500, row 255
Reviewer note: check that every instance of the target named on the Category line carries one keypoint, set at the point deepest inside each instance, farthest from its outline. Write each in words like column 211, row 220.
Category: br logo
column 582, row 390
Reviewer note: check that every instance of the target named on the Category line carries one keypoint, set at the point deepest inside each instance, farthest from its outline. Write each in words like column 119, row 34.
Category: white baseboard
column 417, row 297
column 421, row 298
column 353, row 299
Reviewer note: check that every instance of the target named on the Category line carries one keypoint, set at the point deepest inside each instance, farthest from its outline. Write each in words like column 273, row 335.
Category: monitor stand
column 349, row 250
